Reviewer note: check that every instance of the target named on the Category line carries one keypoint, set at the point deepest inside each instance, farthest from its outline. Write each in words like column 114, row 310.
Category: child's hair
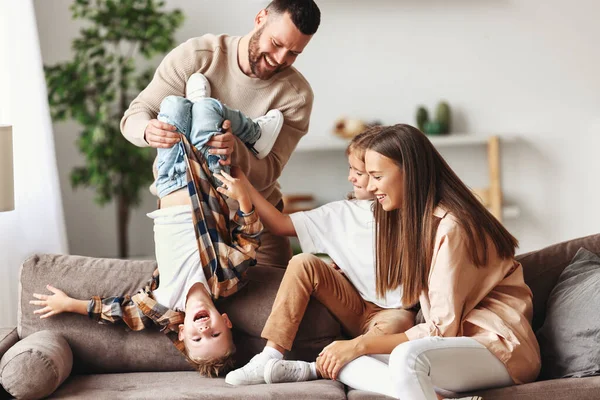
column 213, row 367
column 405, row 237
column 358, row 146
column 359, row 143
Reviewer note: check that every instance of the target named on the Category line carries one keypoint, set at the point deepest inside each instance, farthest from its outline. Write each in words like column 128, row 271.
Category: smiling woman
column 386, row 180
column 445, row 250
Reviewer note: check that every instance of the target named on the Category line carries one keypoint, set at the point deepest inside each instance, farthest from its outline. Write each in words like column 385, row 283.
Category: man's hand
column 54, row 304
column 223, row 144
column 159, row 134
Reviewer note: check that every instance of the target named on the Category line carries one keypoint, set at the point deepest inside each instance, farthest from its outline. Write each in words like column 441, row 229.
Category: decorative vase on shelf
column 347, row 128
column 440, row 125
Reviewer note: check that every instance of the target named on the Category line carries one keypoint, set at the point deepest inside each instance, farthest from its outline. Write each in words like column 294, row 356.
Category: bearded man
column 253, row 74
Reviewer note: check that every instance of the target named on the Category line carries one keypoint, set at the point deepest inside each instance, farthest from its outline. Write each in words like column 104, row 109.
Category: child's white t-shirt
column 345, row 230
column 177, row 256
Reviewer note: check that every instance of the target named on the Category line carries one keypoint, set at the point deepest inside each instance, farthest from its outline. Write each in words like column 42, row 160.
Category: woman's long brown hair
column 405, row 237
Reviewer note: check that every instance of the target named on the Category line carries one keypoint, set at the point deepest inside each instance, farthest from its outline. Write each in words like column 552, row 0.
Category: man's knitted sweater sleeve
column 169, row 79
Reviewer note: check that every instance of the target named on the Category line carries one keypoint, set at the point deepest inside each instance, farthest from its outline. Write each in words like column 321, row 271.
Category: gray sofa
column 109, row 362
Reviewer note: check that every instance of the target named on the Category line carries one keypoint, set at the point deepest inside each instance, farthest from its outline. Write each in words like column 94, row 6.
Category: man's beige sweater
column 216, row 57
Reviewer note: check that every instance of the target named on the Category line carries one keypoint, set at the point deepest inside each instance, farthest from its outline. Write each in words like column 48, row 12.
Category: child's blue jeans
column 199, row 122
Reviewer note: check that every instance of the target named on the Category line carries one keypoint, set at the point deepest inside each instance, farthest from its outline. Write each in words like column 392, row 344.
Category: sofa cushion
column 557, row 389
column 110, row 348
column 354, row 394
column 8, row 337
column 34, row 367
column 96, row 348
column 189, row 385
column 569, row 337
column 543, row 267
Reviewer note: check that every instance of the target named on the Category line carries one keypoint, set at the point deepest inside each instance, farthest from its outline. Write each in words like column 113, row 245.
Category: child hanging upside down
column 201, row 255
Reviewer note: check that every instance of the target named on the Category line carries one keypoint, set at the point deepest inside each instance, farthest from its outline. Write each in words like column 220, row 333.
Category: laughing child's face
column 358, row 176
column 205, row 332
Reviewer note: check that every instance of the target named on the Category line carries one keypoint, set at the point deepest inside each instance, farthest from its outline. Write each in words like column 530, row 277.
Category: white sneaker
column 279, row 371
column 197, row 87
column 270, row 126
column 251, row 373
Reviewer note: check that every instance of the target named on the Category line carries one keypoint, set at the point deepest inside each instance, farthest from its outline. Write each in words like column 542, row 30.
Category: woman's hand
column 54, row 304
column 335, row 355
column 223, row 144
column 236, row 189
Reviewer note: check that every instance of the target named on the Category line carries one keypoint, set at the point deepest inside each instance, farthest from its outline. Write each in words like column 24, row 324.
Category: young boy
column 199, row 258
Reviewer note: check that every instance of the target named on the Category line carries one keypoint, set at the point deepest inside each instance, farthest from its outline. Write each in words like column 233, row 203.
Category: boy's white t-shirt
column 345, row 230
column 177, row 256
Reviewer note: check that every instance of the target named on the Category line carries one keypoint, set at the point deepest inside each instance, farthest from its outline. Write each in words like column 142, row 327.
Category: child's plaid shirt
column 225, row 256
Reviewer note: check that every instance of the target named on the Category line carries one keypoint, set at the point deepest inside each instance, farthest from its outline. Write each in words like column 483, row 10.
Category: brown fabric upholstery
column 188, row 385
column 559, row 389
column 44, row 358
column 543, row 267
column 96, row 348
column 8, row 337
column 364, row 395
column 106, row 348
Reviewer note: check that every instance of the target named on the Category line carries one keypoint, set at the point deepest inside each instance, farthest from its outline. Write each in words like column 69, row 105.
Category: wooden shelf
column 493, row 193
column 511, row 212
column 334, row 143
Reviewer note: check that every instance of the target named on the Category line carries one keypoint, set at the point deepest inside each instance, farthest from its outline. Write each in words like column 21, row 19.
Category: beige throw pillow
column 36, row 366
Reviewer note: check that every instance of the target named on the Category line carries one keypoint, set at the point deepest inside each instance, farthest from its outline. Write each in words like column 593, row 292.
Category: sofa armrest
column 8, row 338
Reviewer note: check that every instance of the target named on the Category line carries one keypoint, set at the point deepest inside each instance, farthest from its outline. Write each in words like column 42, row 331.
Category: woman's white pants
column 416, row 368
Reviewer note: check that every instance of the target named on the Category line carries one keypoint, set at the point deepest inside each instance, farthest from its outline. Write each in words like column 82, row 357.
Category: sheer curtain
column 37, row 223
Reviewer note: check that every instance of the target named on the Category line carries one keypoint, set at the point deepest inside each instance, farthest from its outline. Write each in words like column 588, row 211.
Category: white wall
column 526, row 68
column 36, row 225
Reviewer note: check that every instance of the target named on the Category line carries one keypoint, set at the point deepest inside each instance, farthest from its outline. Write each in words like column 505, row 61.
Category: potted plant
column 95, row 88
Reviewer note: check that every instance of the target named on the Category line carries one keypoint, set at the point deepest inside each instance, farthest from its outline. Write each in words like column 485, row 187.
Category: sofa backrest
column 107, row 348
column 113, row 348
column 543, row 267
column 96, row 348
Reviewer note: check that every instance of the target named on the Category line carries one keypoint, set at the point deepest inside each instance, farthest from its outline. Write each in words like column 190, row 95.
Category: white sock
column 313, row 371
column 272, row 353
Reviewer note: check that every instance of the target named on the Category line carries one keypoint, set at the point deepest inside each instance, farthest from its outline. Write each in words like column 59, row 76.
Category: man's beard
column 255, row 56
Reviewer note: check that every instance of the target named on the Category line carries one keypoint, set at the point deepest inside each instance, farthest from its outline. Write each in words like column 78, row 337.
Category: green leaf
column 95, row 87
